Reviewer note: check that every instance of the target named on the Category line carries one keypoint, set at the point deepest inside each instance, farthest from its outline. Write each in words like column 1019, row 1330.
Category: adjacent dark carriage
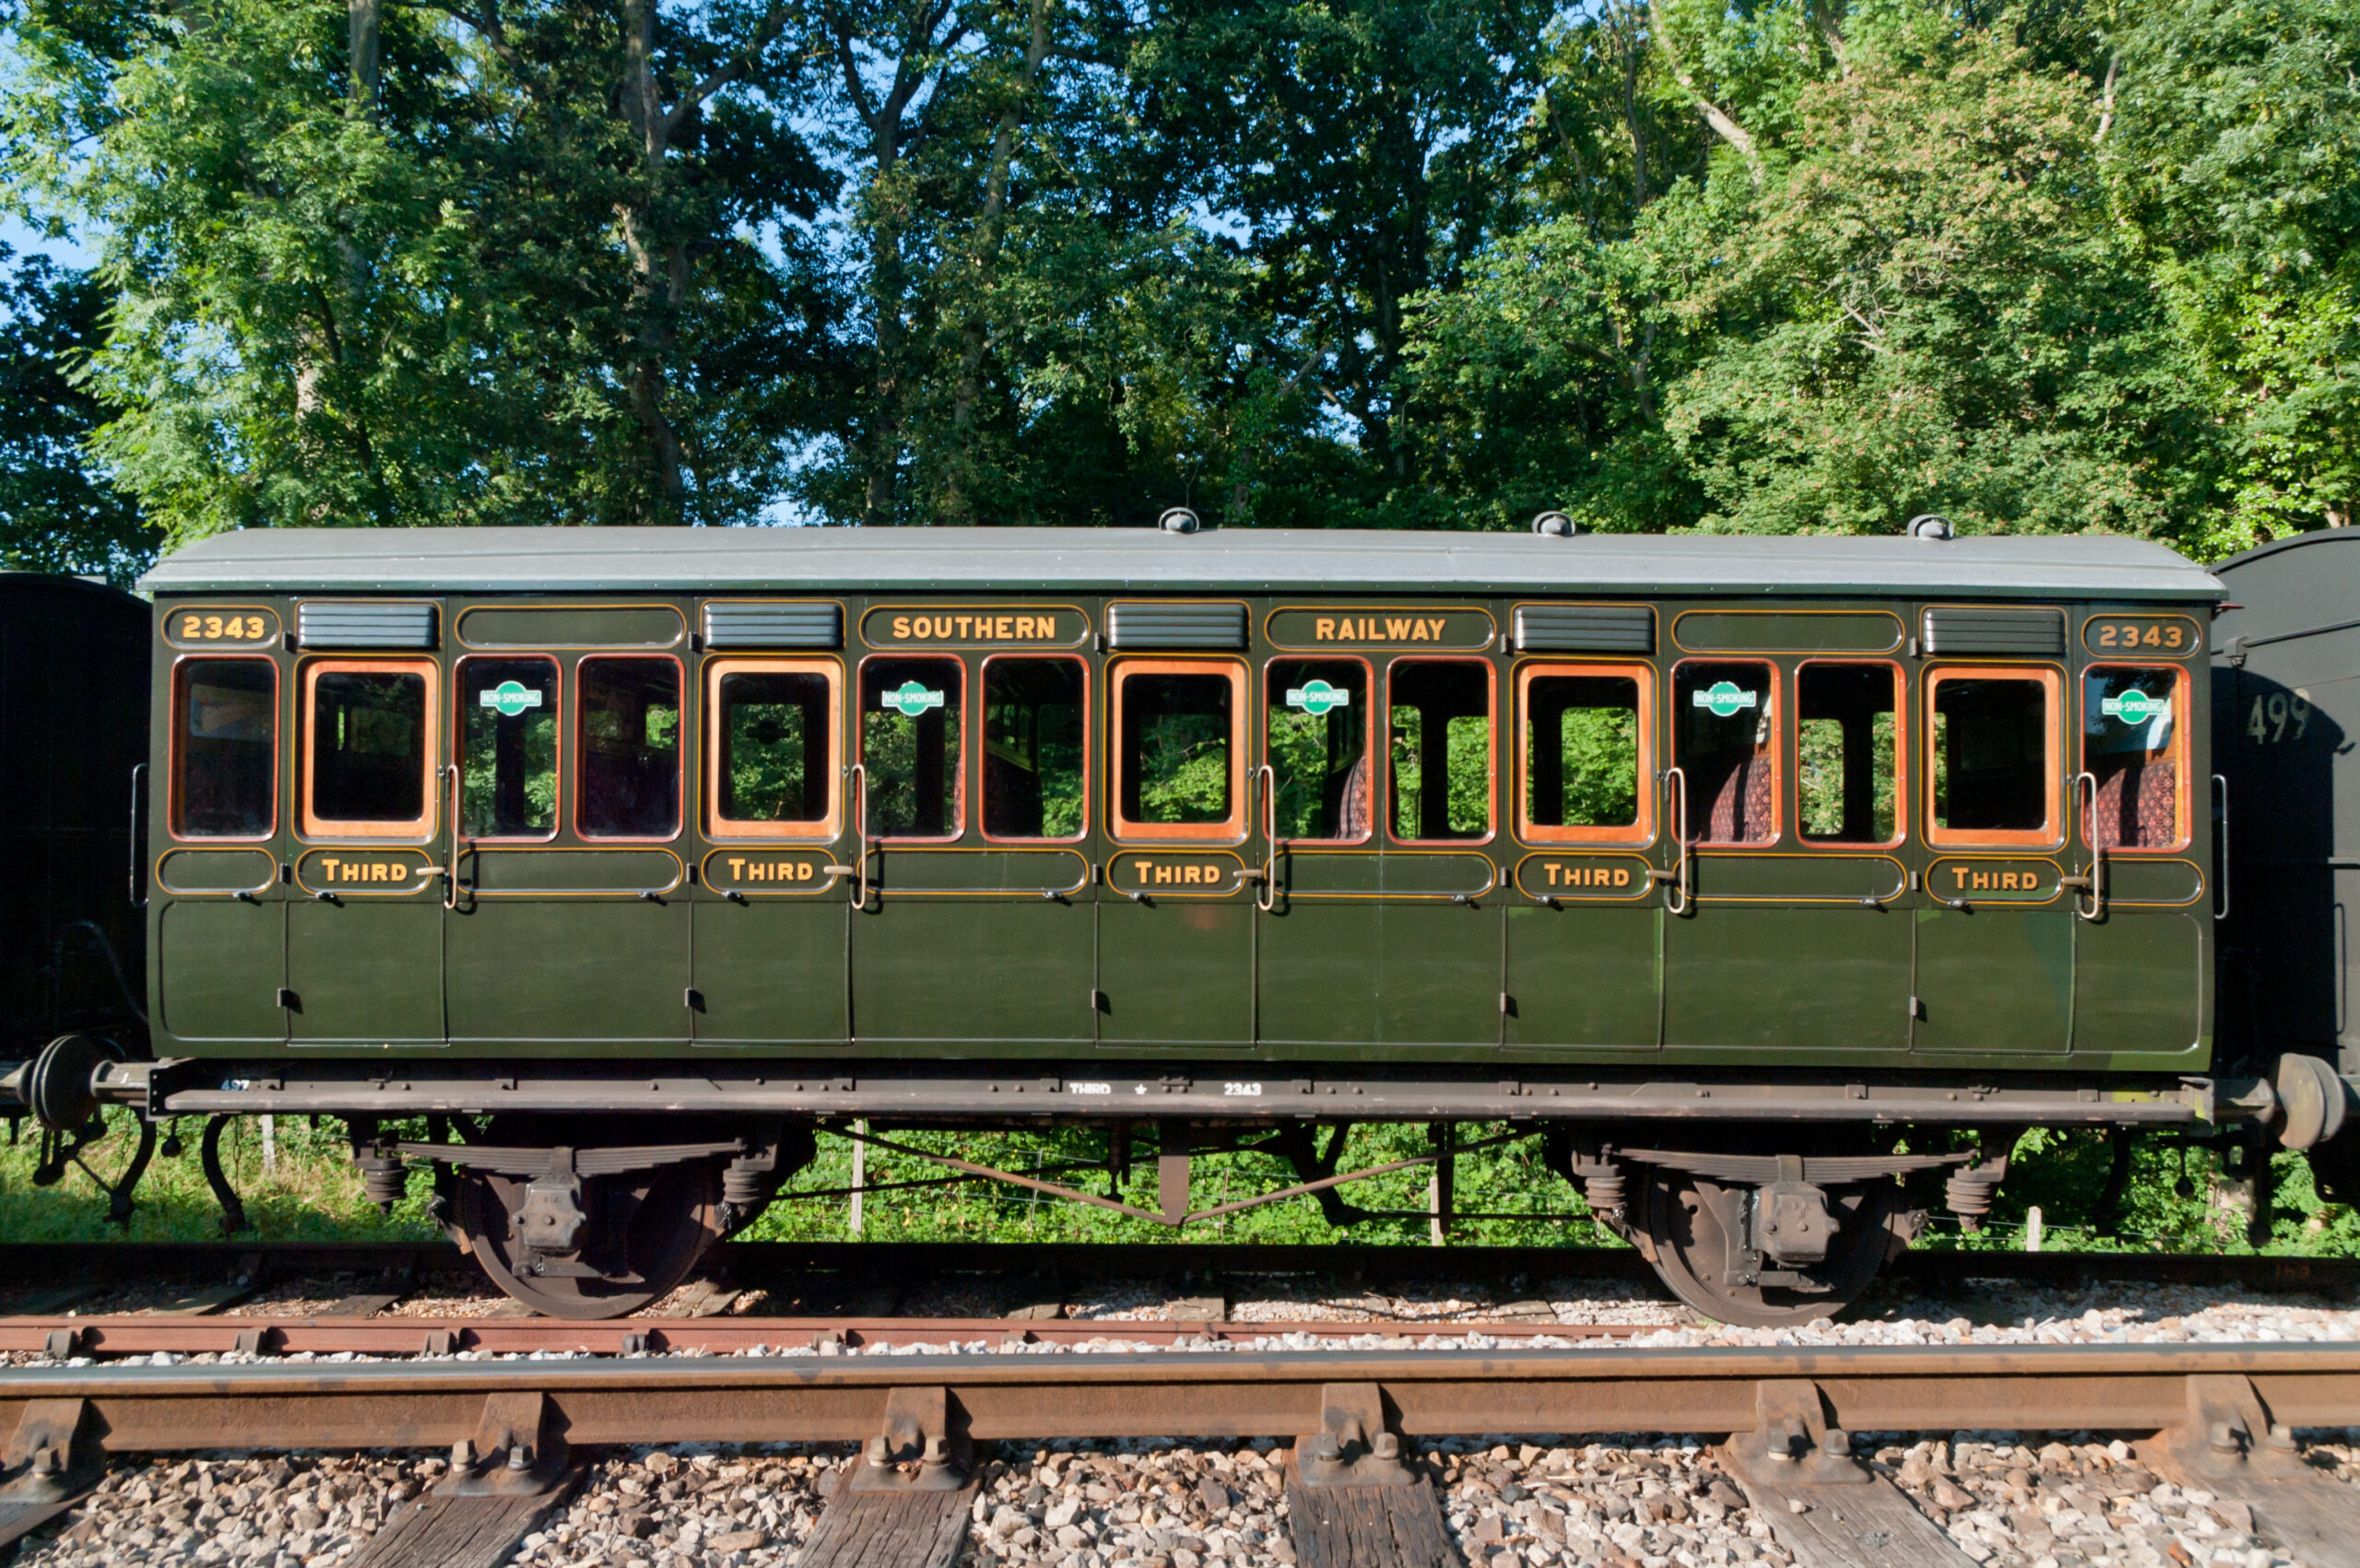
column 1718, row 862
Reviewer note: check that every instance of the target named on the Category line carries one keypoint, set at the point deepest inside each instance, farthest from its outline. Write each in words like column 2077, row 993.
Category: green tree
column 56, row 515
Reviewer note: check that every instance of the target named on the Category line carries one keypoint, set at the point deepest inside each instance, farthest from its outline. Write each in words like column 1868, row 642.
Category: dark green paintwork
column 1369, row 952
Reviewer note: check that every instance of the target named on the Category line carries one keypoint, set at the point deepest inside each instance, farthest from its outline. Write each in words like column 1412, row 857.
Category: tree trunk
column 659, row 271
column 362, row 19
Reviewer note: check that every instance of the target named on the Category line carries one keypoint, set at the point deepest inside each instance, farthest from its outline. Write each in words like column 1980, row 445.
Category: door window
column 508, row 729
column 770, row 749
column 1180, row 749
column 1438, row 715
column 629, row 711
column 368, row 758
column 1587, row 753
column 1725, row 714
column 1995, row 762
column 225, row 748
column 912, row 712
column 1035, row 744
column 2135, row 745
column 1317, row 749
column 1847, row 753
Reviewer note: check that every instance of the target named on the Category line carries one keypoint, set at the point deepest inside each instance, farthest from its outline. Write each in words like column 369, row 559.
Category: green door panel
column 508, row 873
column 1318, row 971
column 222, row 962
column 1176, row 972
column 216, row 870
column 971, row 969
column 365, row 971
column 1438, row 967
column 1992, row 978
column 1801, row 978
column 1583, row 975
column 771, row 969
column 595, row 969
column 2138, row 984
column 1320, row 874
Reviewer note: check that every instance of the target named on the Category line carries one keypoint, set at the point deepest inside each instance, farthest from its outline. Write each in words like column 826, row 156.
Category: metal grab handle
column 1675, row 892
column 2221, row 792
column 137, row 884
column 451, row 871
column 2097, row 853
column 1265, row 897
column 858, row 775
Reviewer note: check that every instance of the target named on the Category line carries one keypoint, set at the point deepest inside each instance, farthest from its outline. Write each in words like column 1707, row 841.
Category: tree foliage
column 1785, row 265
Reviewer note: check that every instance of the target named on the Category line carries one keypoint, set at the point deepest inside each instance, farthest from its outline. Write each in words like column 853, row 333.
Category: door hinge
column 286, row 999
column 692, row 998
column 1916, row 1007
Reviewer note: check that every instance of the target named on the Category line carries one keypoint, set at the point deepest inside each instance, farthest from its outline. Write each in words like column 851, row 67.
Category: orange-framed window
column 1179, row 751
column 627, row 746
column 1315, row 713
column 1036, row 747
column 1443, row 750
column 368, row 747
column 1850, row 773
column 224, row 749
column 508, row 730
column 770, row 749
column 1587, row 753
column 1994, row 774
column 1725, row 721
column 2134, row 743
column 912, row 720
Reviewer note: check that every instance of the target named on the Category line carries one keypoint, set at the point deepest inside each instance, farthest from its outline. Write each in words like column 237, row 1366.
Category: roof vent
column 1931, row 525
column 1178, row 520
column 1554, row 524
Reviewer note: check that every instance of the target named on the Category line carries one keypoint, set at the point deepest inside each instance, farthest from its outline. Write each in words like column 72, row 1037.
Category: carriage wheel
column 648, row 1229
column 1697, row 1226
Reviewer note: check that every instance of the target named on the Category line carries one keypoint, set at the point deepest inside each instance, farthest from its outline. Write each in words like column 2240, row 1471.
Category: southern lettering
column 940, row 626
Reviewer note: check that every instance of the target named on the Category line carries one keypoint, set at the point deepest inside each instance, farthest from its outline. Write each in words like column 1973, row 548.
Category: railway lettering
column 1378, row 626
column 974, row 626
column 1377, row 629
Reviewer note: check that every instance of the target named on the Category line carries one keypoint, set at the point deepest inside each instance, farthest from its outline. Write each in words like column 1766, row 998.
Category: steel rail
column 745, row 1399
column 182, row 1333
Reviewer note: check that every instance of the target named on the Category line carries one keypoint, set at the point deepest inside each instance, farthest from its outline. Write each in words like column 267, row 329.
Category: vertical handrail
column 451, row 869
column 1675, row 893
column 137, row 884
column 2097, row 890
column 1265, row 896
column 860, row 836
column 2221, row 793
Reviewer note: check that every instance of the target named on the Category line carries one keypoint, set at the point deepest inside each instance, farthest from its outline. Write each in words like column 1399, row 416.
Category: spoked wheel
column 1698, row 1227
column 646, row 1230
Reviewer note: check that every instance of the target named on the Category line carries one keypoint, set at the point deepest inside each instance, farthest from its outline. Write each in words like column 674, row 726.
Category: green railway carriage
column 1715, row 862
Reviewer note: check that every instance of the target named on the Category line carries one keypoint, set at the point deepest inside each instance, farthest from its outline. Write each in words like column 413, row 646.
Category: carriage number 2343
column 222, row 628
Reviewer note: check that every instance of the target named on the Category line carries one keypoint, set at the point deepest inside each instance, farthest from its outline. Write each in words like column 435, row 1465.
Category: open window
column 1725, row 716
column 1180, row 751
column 629, row 713
column 771, row 765
column 369, row 749
column 1438, row 721
column 1847, row 753
column 1588, row 754
column 508, row 747
column 1036, row 745
column 225, row 748
column 913, row 715
column 1995, row 774
column 2134, row 743
column 1317, row 710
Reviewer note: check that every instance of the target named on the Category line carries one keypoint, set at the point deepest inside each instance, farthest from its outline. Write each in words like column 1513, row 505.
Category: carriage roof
column 563, row 560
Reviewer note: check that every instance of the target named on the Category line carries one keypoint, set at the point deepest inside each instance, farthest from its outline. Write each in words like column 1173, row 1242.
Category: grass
column 310, row 1192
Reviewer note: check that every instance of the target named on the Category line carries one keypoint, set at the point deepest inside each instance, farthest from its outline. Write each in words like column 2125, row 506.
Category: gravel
column 1633, row 1501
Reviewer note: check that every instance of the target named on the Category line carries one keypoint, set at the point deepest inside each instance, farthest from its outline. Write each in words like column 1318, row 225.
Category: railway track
column 2225, row 1420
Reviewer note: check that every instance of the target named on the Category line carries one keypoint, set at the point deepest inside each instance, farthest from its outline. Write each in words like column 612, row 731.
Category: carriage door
column 1787, row 778
column 975, row 923
column 569, row 920
column 364, row 916
column 2138, row 969
column 1175, row 934
column 1995, row 929
column 219, row 906
column 1584, row 935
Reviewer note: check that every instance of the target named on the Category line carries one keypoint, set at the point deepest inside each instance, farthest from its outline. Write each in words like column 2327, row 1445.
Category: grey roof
column 1127, row 560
